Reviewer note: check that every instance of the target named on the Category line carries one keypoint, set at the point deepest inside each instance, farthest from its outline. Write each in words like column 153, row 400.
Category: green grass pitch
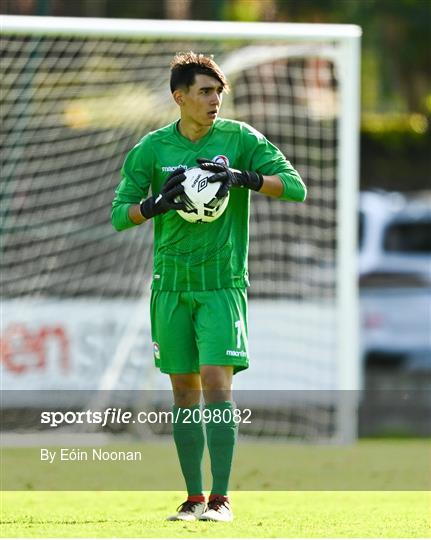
column 316, row 505
column 278, row 514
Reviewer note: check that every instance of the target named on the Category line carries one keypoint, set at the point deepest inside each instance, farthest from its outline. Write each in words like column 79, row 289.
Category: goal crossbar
column 176, row 29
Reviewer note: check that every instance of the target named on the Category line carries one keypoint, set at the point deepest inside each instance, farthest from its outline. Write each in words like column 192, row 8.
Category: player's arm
column 131, row 205
column 135, row 214
column 281, row 180
column 285, row 185
column 134, row 186
column 270, row 173
column 161, row 203
column 271, row 186
column 127, row 196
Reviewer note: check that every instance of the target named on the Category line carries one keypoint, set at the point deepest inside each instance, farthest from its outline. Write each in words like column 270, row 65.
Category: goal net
column 76, row 96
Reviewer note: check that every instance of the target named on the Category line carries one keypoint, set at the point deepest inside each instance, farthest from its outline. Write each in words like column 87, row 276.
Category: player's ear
column 178, row 97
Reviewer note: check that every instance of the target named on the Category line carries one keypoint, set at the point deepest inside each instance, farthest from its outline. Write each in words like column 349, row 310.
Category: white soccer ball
column 200, row 197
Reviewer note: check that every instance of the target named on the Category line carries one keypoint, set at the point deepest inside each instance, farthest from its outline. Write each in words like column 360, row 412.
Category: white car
column 395, row 280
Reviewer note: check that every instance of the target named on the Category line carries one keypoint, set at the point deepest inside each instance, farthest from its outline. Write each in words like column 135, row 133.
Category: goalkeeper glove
column 230, row 177
column 165, row 200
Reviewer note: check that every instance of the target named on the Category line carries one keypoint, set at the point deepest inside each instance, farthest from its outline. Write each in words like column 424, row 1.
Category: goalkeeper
column 198, row 299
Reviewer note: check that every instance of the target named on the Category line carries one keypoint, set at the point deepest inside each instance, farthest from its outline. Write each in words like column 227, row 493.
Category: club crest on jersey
column 223, row 160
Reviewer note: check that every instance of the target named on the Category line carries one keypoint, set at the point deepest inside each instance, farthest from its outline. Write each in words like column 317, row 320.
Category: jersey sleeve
column 267, row 159
column 134, row 186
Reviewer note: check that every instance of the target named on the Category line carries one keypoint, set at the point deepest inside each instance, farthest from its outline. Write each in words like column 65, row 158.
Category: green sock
column 221, row 438
column 190, row 441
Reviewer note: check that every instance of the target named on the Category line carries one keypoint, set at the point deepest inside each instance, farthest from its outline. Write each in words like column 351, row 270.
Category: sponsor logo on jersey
column 171, row 168
column 243, row 354
column 156, row 350
column 223, row 160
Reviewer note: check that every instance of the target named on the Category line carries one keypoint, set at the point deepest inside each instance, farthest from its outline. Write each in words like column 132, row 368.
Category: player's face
column 202, row 102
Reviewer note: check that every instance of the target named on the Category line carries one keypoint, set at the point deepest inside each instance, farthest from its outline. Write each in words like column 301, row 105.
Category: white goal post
column 78, row 93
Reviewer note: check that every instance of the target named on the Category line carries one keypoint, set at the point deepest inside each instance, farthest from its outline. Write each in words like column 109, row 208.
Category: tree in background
column 396, row 83
column 396, row 37
column 396, row 79
column 396, row 33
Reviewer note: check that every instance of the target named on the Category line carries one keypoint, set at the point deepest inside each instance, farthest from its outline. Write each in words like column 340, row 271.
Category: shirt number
column 238, row 327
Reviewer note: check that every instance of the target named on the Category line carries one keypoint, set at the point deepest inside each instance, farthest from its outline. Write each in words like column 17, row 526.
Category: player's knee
column 186, row 398
column 216, row 378
column 186, row 389
column 216, row 389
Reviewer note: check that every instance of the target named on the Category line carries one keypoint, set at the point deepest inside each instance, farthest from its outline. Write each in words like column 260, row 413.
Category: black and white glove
column 165, row 200
column 230, row 177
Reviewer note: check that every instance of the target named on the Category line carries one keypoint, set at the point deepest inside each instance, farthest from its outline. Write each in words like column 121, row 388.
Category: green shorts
column 190, row 329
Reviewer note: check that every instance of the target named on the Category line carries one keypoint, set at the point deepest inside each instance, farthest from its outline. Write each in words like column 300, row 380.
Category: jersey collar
column 187, row 142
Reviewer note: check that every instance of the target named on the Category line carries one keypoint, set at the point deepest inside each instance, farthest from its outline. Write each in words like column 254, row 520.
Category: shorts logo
column 242, row 354
column 156, row 350
column 223, row 160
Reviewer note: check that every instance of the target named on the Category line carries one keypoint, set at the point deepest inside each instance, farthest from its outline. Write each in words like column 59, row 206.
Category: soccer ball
column 200, row 197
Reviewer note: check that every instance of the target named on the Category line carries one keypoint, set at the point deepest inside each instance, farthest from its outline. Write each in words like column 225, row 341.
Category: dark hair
column 185, row 67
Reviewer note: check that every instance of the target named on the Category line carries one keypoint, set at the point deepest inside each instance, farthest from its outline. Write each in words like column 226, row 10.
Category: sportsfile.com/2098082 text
column 112, row 415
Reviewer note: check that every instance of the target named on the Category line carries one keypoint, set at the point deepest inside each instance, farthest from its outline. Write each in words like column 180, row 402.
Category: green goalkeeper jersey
column 200, row 256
